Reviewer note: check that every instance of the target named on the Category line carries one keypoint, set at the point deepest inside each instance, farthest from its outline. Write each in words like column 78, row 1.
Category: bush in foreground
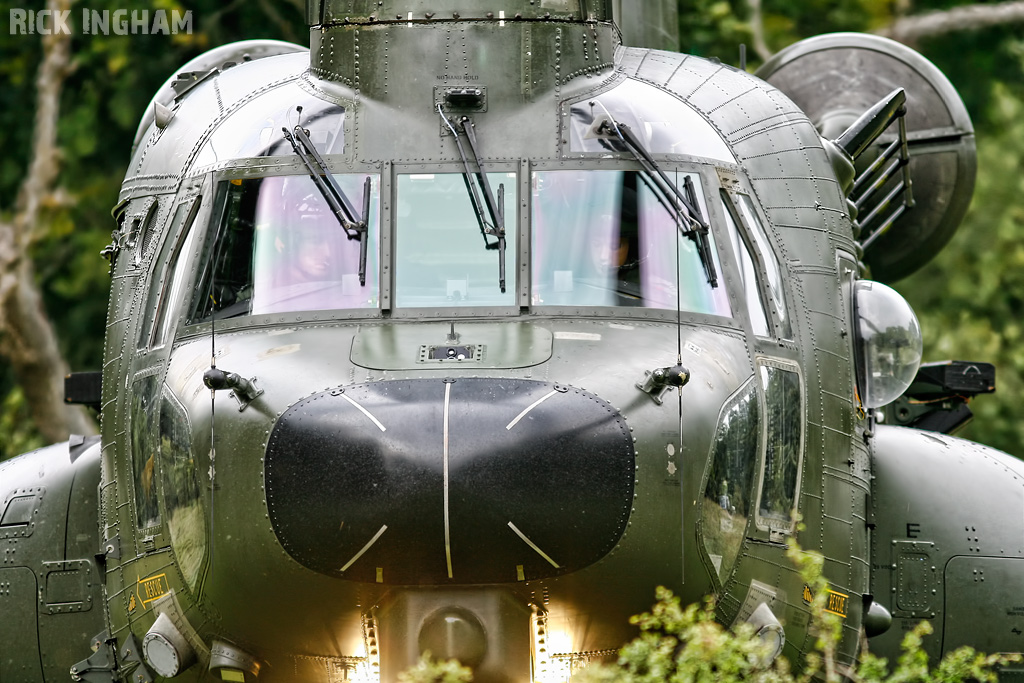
column 687, row 645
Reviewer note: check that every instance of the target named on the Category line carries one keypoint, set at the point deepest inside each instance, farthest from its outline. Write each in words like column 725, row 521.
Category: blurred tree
column 970, row 299
column 27, row 337
column 107, row 81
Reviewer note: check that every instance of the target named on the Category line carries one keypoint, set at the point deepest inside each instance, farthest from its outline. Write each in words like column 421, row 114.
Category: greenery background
column 970, row 299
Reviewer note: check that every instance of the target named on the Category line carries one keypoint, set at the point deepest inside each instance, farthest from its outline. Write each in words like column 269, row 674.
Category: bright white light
column 547, row 669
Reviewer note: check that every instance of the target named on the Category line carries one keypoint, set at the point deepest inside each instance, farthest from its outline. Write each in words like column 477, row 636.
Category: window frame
column 754, row 241
column 513, row 222
column 776, row 528
column 260, row 168
column 519, row 275
column 170, row 252
column 731, row 214
column 707, row 172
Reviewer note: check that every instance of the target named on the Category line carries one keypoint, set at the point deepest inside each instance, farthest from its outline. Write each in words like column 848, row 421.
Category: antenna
column 679, row 306
column 658, row 381
column 217, row 249
column 213, row 420
column 679, row 335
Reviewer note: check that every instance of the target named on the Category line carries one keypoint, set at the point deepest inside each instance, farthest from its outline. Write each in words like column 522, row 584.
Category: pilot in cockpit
column 615, row 252
column 304, row 260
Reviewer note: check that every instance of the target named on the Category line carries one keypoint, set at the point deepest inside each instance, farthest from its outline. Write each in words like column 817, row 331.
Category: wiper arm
column 683, row 202
column 495, row 208
column 332, row 193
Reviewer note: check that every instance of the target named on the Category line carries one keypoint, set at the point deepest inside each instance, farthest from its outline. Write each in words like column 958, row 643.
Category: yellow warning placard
column 835, row 602
column 151, row 588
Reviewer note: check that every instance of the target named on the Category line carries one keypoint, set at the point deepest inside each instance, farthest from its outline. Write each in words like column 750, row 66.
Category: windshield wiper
column 495, row 208
column 682, row 203
column 332, row 193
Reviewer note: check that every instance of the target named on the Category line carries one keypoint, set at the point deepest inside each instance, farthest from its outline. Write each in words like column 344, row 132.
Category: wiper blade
column 341, row 207
column 495, row 207
column 683, row 202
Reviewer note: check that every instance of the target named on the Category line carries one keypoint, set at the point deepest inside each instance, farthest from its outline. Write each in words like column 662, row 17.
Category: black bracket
column 937, row 399
column 658, row 381
column 83, row 388
column 244, row 390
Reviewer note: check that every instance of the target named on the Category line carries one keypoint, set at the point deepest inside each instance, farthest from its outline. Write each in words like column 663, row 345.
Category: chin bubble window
column 889, row 343
column 726, row 506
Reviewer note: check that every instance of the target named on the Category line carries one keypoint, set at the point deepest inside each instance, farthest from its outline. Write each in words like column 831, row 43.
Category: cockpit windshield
column 441, row 257
column 605, row 238
column 599, row 238
column 278, row 248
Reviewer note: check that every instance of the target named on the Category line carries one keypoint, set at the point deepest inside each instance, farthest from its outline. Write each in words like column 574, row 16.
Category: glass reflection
column 771, row 265
column 784, row 411
column 602, row 238
column 889, row 343
column 279, row 249
column 441, row 258
column 171, row 294
column 748, row 274
column 145, row 449
column 725, row 508
column 156, row 279
column 185, row 518
column 662, row 122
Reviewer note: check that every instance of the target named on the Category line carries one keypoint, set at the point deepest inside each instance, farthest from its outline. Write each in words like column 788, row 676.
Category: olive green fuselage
column 444, row 462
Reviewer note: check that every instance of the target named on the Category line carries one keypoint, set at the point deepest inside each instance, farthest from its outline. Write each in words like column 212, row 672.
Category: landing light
column 888, row 343
column 548, row 669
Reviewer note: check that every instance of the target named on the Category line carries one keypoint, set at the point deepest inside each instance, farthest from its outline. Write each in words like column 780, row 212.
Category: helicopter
column 462, row 330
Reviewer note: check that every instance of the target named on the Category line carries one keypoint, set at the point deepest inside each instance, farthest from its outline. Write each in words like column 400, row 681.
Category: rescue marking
column 365, row 412
column 835, row 603
column 528, row 408
column 533, row 545
column 152, row 588
column 365, row 547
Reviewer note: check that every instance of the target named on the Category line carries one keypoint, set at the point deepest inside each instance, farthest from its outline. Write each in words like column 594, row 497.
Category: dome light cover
column 889, row 343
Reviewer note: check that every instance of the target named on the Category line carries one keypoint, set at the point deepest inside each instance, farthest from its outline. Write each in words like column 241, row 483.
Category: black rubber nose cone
column 434, row 482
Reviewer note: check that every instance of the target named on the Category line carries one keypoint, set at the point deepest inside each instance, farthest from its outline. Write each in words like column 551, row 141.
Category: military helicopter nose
column 449, row 481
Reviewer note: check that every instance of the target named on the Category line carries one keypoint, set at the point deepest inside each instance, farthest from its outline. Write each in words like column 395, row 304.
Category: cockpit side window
column 157, row 275
column 747, row 214
column 276, row 247
column 160, row 297
column 780, row 472
column 604, row 238
column 144, row 440
column 728, row 488
column 748, row 271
